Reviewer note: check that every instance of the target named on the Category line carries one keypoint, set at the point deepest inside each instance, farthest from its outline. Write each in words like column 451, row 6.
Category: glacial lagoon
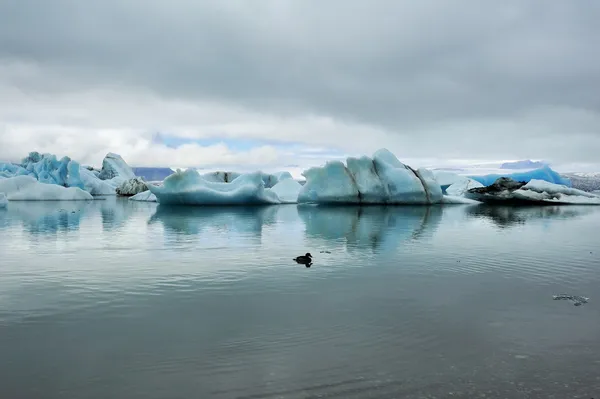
column 118, row 299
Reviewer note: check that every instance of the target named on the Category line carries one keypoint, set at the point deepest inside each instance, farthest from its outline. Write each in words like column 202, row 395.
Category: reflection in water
column 371, row 227
column 191, row 220
column 507, row 216
column 114, row 309
column 40, row 217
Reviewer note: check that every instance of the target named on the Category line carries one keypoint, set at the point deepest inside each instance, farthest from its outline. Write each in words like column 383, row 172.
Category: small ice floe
column 578, row 300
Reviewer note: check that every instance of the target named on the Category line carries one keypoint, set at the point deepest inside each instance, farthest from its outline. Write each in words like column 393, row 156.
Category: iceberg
column 287, row 191
column 28, row 188
column 191, row 188
column 132, row 187
column 145, row 196
column 505, row 190
column 3, row 201
column 46, row 168
column 459, row 188
column 113, row 166
column 458, row 200
column 545, row 173
column 93, row 185
column 382, row 179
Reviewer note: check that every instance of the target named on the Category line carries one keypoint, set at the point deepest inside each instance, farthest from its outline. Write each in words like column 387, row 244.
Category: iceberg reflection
column 41, row 217
column 374, row 227
column 190, row 220
column 508, row 216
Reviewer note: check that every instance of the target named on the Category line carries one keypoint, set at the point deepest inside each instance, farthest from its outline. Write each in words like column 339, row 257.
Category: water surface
column 115, row 299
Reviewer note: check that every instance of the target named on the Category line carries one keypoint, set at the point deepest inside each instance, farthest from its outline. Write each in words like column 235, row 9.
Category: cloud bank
column 299, row 80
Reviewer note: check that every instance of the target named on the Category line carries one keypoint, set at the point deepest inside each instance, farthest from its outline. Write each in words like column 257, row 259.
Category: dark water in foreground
column 114, row 299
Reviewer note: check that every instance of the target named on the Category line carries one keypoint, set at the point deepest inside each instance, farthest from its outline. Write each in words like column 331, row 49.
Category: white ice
column 460, row 187
column 382, row 179
column 3, row 201
column 540, row 190
column 287, row 190
column 113, row 166
column 453, row 199
column 190, row 188
column 94, row 185
column 145, row 196
column 28, row 188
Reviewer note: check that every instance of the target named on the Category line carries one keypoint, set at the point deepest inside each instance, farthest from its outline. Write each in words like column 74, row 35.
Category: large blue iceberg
column 545, row 173
column 67, row 173
column 46, row 168
column 382, row 179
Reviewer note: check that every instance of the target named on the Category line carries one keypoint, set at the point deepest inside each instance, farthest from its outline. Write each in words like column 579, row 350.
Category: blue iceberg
column 67, row 173
column 545, row 173
column 382, row 179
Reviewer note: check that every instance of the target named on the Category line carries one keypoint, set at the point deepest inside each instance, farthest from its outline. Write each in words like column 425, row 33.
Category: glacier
column 382, row 179
column 190, row 188
column 545, row 173
column 28, row 188
column 506, row 190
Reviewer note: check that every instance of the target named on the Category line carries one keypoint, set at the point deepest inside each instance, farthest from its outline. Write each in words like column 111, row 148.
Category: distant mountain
column 153, row 174
column 527, row 164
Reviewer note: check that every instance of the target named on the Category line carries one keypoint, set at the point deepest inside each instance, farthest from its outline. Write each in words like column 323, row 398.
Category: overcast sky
column 285, row 82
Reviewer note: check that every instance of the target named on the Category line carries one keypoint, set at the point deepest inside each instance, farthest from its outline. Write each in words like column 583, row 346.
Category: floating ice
column 380, row 180
column 132, row 187
column 95, row 186
column 46, row 168
column 458, row 200
column 287, row 190
column 190, row 188
column 114, row 166
column 545, row 173
column 145, row 196
column 536, row 191
column 28, row 188
column 460, row 187
column 3, row 201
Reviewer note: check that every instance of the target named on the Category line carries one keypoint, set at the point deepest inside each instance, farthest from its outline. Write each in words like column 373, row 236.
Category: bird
column 304, row 259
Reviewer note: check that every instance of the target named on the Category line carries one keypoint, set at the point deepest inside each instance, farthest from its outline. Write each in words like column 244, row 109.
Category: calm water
column 114, row 299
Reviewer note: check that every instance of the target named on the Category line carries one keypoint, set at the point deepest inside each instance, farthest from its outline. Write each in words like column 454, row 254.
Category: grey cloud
column 410, row 67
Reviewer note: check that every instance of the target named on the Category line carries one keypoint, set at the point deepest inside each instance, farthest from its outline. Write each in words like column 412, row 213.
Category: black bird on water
column 304, row 259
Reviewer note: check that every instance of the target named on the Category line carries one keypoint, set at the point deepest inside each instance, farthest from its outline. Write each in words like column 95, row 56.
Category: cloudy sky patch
column 265, row 82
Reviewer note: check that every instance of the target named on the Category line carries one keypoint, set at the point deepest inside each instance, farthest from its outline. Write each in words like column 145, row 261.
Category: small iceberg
column 3, row 201
column 506, row 190
column 28, row 188
column 132, row 187
column 145, row 196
